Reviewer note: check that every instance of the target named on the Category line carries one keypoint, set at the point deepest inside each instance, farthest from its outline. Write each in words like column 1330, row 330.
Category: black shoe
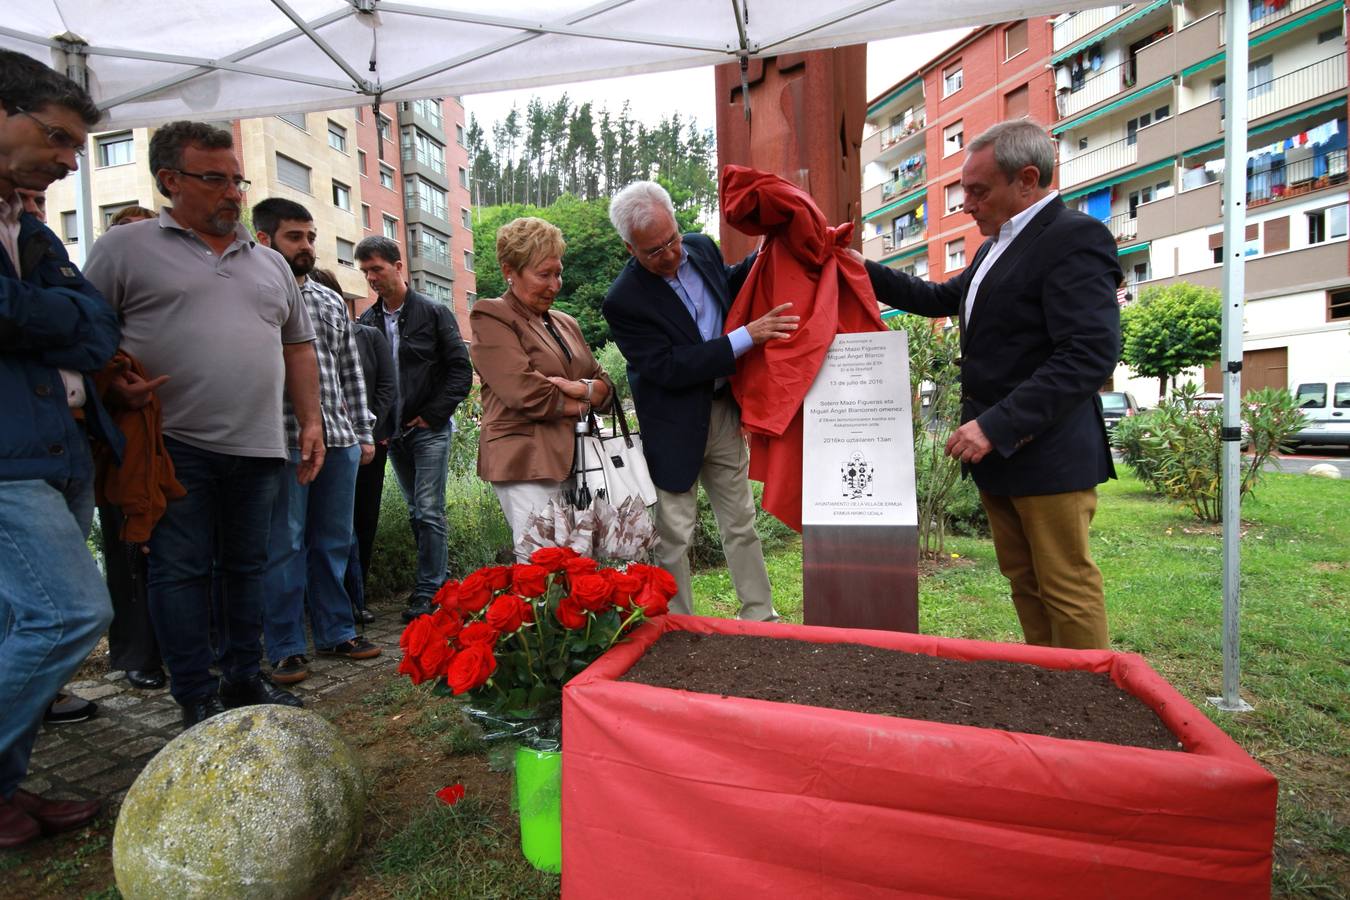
column 417, row 606
column 253, row 691
column 146, row 679
column 68, row 708
column 365, row 616
column 202, row 708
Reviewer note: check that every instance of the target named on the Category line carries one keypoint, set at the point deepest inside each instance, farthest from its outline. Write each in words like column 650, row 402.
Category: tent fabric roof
column 157, row 60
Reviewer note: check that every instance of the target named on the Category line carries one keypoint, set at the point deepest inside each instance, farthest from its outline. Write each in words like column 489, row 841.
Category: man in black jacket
column 1040, row 334
column 433, row 375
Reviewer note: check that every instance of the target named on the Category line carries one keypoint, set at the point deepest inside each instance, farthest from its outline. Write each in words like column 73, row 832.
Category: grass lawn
column 1163, row 574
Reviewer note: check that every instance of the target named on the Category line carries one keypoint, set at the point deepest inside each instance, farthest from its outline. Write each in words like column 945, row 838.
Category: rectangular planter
column 675, row 794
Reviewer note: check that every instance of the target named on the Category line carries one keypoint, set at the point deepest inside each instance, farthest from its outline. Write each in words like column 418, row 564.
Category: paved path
column 102, row 756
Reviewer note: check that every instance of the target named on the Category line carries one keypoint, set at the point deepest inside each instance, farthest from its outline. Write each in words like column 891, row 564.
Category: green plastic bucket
column 539, row 796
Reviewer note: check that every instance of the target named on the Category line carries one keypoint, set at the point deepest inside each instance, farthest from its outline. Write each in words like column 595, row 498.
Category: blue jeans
column 421, row 461
column 310, row 542
column 53, row 607
column 222, row 525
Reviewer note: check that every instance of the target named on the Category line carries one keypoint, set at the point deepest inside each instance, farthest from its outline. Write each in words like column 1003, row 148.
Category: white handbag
column 609, row 463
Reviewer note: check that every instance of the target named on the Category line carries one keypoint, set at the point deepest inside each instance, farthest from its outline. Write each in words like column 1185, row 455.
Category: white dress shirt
column 1007, row 233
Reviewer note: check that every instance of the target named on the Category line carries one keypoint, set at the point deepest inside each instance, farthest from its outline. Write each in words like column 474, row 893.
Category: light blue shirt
column 693, row 292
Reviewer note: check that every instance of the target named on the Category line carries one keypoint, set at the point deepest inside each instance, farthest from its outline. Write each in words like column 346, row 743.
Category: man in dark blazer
column 432, row 377
column 1040, row 334
column 666, row 310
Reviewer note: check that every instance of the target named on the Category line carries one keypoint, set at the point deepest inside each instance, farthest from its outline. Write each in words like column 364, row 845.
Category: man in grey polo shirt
column 222, row 318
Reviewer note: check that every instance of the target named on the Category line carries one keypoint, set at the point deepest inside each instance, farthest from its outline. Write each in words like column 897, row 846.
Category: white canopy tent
column 153, row 61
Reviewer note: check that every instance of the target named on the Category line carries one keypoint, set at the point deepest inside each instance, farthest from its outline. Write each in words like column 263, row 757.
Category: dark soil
column 987, row 694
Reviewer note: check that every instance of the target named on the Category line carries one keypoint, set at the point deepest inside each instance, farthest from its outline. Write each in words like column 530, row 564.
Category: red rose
column 570, row 614
column 529, row 581
column 552, row 558
column 652, row 601
column 448, row 596
column 580, row 565
column 426, row 651
column 474, row 592
column 451, row 794
column 506, row 613
column 658, row 578
column 471, row 668
column 478, row 633
column 591, row 592
column 623, row 587
column 447, row 623
column 498, row 577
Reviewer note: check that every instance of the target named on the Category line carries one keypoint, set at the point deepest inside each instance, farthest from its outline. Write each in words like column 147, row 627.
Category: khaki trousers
column 1042, row 547
column 725, row 476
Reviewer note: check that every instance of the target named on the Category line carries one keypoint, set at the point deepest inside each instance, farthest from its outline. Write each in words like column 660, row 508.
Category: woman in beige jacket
column 538, row 375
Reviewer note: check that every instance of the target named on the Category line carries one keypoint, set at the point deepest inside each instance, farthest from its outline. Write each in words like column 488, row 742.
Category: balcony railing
column 1124, row 227
column 1298, row 177
column 428, row 203
column 1087, row 166
column 894, row 134
column 1322, row 77
column 911, row 179
column 1263, row 14
column 905, row 237
column 1102, row 85
column 1080, row 23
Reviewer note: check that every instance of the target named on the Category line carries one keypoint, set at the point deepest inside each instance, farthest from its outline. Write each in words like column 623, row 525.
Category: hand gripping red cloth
column 804, row 261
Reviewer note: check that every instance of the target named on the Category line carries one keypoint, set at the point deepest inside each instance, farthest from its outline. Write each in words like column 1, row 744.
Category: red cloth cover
column 675, row 794
column 804, row 261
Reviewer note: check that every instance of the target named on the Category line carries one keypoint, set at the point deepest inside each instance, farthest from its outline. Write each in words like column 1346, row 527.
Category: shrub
column 616, row 367
column 1176, row 449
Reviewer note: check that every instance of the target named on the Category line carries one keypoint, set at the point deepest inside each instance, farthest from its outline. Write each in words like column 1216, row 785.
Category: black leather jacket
column 434, row 372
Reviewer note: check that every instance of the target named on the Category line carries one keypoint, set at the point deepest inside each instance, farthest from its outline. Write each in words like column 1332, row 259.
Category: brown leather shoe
column 55, row 815
column 16, row 826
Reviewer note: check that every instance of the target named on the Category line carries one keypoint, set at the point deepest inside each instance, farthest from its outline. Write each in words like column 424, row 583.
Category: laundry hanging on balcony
column 1097, row 204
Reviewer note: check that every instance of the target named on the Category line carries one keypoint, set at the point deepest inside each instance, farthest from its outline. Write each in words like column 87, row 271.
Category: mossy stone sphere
column 260, row 802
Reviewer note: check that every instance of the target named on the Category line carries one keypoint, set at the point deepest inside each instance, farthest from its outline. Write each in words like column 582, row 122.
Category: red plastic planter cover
column 676, row 794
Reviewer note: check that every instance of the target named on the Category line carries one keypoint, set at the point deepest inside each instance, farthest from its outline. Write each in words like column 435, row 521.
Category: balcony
column 1123, row 227
column 1081, row 24
column 1297, row 178
column 1186, row 211
column 1279, row 273
column 894, row 134
column 1263, row 15
column 1177, row 51
column 1103, row 85
column 1323, row 77
column 909, row 181
column 1093, row 164
column 908, row 236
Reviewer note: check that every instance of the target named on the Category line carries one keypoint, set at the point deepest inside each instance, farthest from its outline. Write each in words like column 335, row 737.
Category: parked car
column 1116, row 405
column 1326, row 404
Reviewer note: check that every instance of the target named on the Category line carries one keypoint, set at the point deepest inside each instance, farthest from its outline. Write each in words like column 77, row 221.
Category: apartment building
column 348, row 167
column 913, row 144
column 1136, row 104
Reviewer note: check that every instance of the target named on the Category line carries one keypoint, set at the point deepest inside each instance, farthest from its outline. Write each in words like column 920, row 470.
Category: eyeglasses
column 660, row 251
column 217, row 181
column 56, row 136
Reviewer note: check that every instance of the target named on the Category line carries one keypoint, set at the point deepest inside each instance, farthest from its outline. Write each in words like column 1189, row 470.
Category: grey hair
column 1017, row 144
column 636, row 206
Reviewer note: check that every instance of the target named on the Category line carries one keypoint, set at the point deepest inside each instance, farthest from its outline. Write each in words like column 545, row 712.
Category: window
column 1143, row 121
column 346, row 253
column 342, row 196
column 459, row 134
column 296, row 119
column 360, row 114
column 1014, row 39
column 337, row 137
column 1331, row 34
column 1140, row 272
column 956, row 254
column 429, row 110
column 422, row 194
column 290, row 172
column 1338, row 307
column 115, row 149
column 468, row 260
column 439, row 292
column 1326, row 224
column 365, row 215
column 1147, row 194
column 952, row 80
column 361, row 163
column 463, row 178
column 956, row 196
column 1016, row 103
column 466, row 218
column 419, row 145
column 106, row 213
column 470, row 298
column 953, row 138
column 69, row 229
column 390, row 227
column 386, row 176
column 382, row 127
column 1082, row 144
column 433, row 246
column 1260, row 74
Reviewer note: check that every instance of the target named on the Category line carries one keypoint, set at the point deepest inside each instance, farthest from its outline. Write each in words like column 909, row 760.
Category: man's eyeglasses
column 660, row 251
column 217, row 181
column 56, row 136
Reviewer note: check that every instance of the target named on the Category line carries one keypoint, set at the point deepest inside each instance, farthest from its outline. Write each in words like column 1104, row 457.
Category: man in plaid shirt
column 312, row 524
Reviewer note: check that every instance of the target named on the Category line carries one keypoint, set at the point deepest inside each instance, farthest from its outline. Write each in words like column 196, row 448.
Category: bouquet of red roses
column 511, row 636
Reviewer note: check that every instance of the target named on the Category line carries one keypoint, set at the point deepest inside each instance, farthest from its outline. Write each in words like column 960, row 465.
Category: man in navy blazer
column 1040, row 335
column 666, row 310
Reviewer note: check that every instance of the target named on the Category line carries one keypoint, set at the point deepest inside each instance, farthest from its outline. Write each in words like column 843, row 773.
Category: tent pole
column 1234, row 287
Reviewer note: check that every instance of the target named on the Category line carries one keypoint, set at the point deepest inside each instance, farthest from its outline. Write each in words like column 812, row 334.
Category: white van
column 1326, row 404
